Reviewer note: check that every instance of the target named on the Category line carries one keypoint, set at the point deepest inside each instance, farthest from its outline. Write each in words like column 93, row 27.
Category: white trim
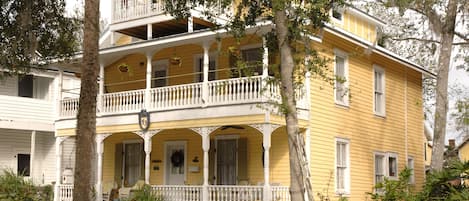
column 377, row 68
column 344, row 55
column 166, row 160
column 341, row 10
column 346, row 190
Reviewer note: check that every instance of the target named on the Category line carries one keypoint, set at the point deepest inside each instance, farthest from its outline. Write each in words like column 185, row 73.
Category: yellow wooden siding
column 178, row 74
column 367, row 132
column 357, row 26
column 279, row 154
column 464, row 152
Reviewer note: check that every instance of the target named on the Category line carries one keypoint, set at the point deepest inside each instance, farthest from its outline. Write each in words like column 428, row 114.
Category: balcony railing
column 194, row 193
column 132, row 9
column 215, row 93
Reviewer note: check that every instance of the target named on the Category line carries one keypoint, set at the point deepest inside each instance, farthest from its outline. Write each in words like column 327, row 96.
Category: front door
column 226, row 161
column 133, row 155
column 175, row 163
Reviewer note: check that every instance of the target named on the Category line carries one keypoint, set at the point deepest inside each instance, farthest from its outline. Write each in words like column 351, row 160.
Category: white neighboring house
column 27, row 114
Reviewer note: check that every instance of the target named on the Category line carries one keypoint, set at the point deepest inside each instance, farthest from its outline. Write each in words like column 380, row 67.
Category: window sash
column 340, row 86
column 379, row 91
column 379, row 169
column 341, row 165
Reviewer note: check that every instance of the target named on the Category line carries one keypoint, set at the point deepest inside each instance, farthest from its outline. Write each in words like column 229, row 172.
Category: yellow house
column 463, row 151
column 174, row 113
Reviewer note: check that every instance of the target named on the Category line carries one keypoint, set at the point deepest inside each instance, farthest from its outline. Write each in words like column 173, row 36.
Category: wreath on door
column 177, row 158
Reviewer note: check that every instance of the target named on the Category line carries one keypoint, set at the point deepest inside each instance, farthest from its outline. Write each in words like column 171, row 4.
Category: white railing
column 69, row 107
column 280, row 193
column 131, row 9
column 126, row 101
column 65, row 192
column 179, row 96
column 179, row 193
column 236, row 90
column 235, row 193
column 219, row 92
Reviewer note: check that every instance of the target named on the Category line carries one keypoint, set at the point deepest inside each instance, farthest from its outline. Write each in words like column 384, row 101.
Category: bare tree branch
column 462, row 36
column 417, row 39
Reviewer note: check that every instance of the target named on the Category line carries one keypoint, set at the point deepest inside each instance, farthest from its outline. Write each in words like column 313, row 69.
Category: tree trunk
column 299, row 172
column 86, row 119
column 441, row 110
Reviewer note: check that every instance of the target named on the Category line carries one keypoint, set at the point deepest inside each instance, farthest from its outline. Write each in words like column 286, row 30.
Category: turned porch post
column 149, row 31
column 148, row 80
column 265, row 59
column 59, row 93
column 266, row 142
column 147, row 136
column 58, row 165
column 101, row 88
column 206, row 61
column 99, row 152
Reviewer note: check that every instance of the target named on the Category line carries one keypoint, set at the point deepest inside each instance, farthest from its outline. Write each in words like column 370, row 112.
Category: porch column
column 59, row 93
column 206, row 47
column 266, row 141
column 147, row 136
column 99, row 151
column 113, row 40
column 205, row 148
column 58, row 165
column 149, row 31
column 204, row 132
column 265, row 59
column 148, row 80
column 32, row 156
column 101, row 88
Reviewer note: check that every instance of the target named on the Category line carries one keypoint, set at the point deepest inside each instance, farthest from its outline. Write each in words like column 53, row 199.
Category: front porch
column 219, row 163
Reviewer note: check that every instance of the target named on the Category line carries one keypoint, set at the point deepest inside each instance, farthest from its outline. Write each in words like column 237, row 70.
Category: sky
column 457, row 77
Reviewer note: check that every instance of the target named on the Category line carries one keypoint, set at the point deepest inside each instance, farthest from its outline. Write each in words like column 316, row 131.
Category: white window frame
column 346, row 190
column 344, row 55
column 384, row 165
column 411, row 166
column 162, row 64
column 379, row 69
column 212, row 56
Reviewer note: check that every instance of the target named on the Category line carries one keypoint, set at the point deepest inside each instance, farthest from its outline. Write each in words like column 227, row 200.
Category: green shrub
column 16, row 188
column 146, row 194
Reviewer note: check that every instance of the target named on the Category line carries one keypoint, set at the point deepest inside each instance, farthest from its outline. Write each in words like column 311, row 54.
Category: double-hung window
column 385, row 166
column 410, row 165
column 341, row 78
column 379, row 91
column 342, row 172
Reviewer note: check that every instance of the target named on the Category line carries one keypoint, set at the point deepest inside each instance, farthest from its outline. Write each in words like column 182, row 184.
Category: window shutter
column 118, row 163
column 242, row 159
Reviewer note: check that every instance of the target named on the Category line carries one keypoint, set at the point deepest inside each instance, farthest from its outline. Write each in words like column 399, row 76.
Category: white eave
column 377, row 49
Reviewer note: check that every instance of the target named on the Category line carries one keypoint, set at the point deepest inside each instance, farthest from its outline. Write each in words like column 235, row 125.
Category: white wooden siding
column 19, row 141
column 26, row 109
column 9, row 86
column 68, row 153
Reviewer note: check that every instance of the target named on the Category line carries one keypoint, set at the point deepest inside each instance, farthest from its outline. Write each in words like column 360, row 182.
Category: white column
column 99, row 174
column 147, row 148
column 190, row 24
column 205, row 148
column 59, row 93
column 32, row 156
column 206, row 47
column 266, row 142
column 148, row 80
column 149, row 31
column 58, row 166
column 101, row 88
column 265, row 59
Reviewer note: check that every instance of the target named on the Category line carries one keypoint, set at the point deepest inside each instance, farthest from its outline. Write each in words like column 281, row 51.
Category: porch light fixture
column 175, row 60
